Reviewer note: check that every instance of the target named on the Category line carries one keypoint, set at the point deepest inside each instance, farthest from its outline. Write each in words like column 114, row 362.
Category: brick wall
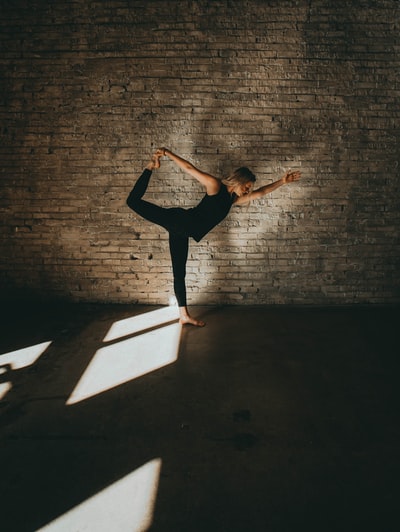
column 90, row 88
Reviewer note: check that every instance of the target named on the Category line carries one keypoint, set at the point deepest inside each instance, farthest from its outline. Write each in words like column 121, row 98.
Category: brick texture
column 90, row 88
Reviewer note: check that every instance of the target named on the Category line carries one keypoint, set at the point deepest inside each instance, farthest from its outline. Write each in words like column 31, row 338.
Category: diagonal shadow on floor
column 269, row 419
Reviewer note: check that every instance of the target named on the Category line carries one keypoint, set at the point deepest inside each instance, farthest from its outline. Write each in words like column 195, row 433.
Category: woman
column 237, row 189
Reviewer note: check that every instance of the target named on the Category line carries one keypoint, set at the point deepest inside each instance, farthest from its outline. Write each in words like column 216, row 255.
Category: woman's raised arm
column 288, row 177
column 211, row 183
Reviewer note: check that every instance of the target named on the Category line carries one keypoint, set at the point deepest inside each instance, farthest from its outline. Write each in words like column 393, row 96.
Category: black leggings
column 172, row 221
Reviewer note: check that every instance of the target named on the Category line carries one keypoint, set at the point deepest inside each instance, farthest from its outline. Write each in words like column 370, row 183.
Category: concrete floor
column 270, row 419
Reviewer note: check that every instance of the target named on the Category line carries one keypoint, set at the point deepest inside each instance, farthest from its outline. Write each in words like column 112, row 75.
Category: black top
column 209, row 213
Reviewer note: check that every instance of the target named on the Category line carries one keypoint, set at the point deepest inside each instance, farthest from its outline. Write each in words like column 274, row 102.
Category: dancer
column 221, row 194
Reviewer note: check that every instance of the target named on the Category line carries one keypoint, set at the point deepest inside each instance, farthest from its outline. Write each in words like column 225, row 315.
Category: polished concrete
column 268, row 419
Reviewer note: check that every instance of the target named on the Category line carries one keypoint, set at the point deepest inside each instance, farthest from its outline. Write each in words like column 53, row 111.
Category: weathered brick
column 88, row 90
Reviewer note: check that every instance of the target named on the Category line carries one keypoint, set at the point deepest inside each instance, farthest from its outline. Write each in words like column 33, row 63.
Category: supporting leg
column 179, row 247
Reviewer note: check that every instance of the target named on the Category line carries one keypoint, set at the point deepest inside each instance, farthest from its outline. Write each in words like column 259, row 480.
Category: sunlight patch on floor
column 19, row 359
column 133, row 357
column 136, row 324
column 5, row 387
column 126, row 506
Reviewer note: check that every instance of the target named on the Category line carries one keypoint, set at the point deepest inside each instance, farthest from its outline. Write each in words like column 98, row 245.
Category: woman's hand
column 154, row 161
column 290, row 176
column 161, row 152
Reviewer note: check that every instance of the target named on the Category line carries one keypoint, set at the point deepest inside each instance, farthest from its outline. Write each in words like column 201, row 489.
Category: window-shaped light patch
column 140, row 323
column 126, row 506
column 19, row 359
column 128, row 359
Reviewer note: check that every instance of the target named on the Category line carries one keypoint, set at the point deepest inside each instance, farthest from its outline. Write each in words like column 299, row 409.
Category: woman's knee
column 132, row 201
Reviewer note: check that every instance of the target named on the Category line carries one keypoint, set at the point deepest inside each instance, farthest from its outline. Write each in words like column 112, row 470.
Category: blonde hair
column 241, row 176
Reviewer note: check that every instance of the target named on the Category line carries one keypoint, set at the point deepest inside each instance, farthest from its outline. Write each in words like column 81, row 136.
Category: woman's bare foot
column 186, row 319
column 191, row 321
column 154, row 163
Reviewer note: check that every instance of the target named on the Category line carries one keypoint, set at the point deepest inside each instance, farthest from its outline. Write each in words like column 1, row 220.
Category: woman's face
column 243, row 188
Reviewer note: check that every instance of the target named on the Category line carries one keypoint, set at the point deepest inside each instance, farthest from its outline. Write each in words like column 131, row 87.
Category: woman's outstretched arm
column 288, row 177
column 211, row 183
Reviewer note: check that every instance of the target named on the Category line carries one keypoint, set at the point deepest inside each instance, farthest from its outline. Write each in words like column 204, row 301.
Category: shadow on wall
column 302, row 94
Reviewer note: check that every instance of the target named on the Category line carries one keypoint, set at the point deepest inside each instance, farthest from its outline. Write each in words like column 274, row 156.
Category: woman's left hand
column 290, row 176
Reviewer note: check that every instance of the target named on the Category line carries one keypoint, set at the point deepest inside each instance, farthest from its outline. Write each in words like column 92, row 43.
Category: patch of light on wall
column 19, row 359
column 125, row 506
column 131, row 358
